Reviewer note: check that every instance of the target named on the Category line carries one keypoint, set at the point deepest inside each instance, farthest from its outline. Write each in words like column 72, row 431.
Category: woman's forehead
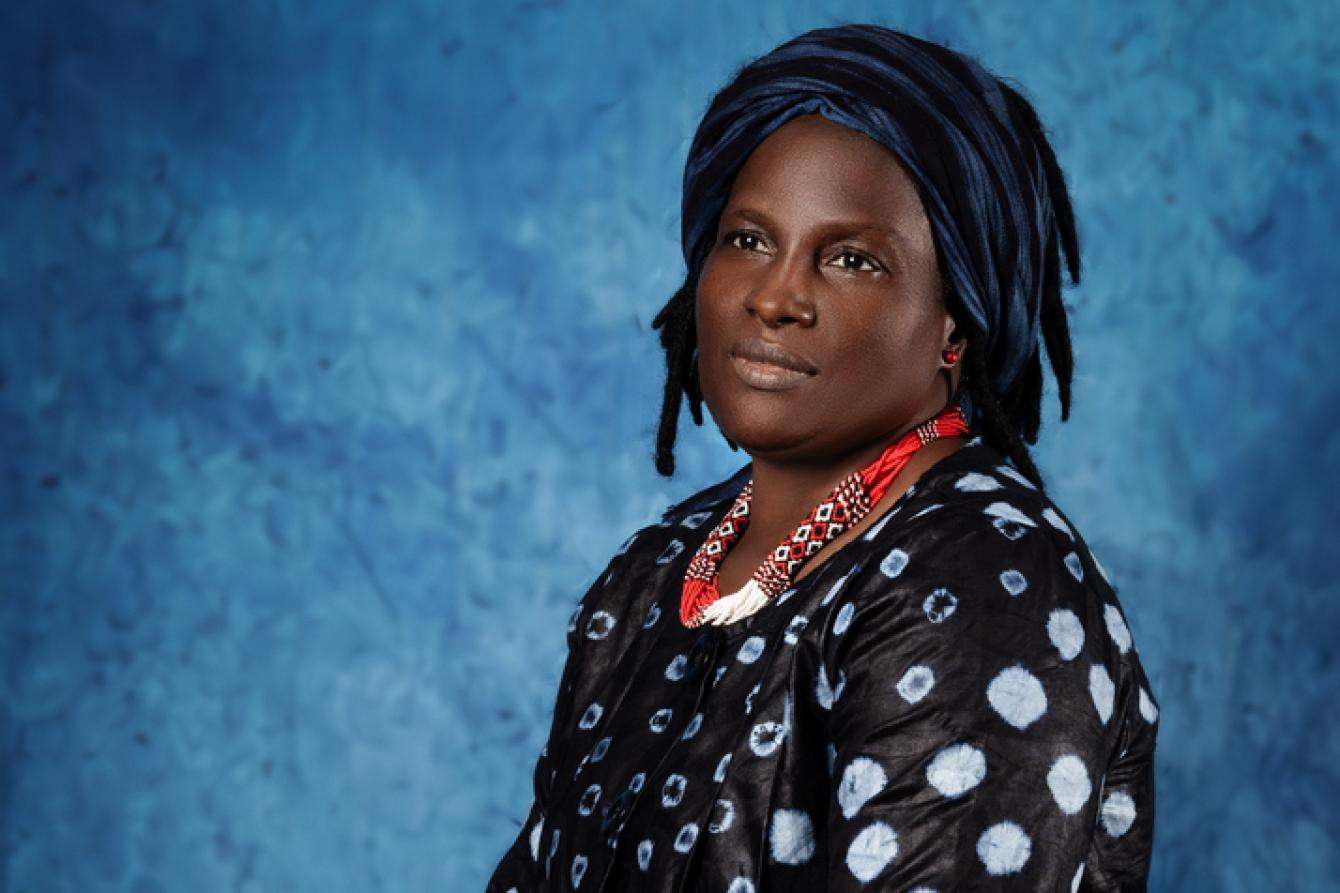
column 827, row 173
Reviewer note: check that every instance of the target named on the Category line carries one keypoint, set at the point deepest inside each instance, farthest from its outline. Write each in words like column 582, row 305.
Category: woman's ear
column 952, row 337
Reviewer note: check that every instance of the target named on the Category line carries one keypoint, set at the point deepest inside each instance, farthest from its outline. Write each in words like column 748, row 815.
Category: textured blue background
column 327, row 386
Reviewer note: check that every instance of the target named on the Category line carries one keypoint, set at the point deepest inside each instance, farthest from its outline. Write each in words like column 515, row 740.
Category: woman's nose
column 781, row 294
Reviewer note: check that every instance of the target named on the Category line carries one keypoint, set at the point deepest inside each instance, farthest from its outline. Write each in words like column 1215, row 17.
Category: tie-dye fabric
column 951, row 701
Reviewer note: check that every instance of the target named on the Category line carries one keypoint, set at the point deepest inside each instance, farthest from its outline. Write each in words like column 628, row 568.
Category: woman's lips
column 766, row 376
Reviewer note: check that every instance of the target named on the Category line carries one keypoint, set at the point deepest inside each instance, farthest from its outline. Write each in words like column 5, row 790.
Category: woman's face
column 824, row 249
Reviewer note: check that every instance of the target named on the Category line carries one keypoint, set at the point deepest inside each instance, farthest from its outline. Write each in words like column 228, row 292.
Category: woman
column 878, row 656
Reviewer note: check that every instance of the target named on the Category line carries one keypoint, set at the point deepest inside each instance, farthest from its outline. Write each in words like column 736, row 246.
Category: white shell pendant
column 736, row 606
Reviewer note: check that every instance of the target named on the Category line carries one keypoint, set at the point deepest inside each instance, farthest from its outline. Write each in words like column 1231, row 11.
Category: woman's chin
column 766, row 440
column 759, row 426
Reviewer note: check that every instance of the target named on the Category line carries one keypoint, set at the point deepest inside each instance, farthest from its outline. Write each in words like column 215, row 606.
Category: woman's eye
column 733, row 239
column 747, row 241
column 860, row 259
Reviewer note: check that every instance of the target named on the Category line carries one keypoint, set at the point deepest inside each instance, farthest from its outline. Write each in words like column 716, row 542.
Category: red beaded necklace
column 850, row 501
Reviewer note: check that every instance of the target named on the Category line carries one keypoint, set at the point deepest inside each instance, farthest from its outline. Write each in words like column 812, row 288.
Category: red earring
column 951, row 356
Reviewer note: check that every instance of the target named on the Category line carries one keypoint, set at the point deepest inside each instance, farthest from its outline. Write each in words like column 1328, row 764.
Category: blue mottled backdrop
column 327, row 386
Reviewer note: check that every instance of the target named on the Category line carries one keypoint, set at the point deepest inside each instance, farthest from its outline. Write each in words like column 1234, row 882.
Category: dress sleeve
column 522, row 866
column 978, row 701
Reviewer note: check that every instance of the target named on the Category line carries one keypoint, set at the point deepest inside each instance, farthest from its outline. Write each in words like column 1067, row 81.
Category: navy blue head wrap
column 981, row 178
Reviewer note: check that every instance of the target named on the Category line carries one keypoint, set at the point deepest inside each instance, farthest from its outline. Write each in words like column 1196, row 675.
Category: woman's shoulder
column 978, row 480
column 974, row 506
column 977, row 536
column 981, row 568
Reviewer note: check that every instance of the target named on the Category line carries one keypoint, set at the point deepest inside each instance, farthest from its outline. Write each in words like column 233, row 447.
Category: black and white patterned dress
column 951, row 701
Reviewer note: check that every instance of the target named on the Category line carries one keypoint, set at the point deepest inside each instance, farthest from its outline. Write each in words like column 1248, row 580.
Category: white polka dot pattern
column 1009, row 529
column 535, row 833
column 1011, row 472
column 1147, row 708
column 862, row 779
column 1013, row 581
column 1069, row 783
column 696, row 519
column 939, row 605
column 1074, row 565
column 791, row 836
column 766, row 737
column 916, row 683
column 929, row 508
column 893, row 563
column 1050, row 515
column 578, row 869
column 1066, row 632
column 794, row 629
column 835, row 589
column 685, row 838
column 1017, row 696
column 660, row 719
column 1102, row 690
column 875, row 528
column 749, row 699
column 1007, row 512
column 1116, row 627
column 1102, row 570
column 1004, row 848
column 723, row 814
column 600, row 624
column 843, row 619
column 1118, row 813
column 956, row 769
column 673, row 790
column 589, row 800
column 671, row 552
column 823, row 692
column 751, row 649
column 975, row 482
column 871, row 851
column 677, row 667
column 591, row 716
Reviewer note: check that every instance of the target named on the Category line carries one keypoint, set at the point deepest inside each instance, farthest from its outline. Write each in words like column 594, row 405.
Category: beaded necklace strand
column 701, row 600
